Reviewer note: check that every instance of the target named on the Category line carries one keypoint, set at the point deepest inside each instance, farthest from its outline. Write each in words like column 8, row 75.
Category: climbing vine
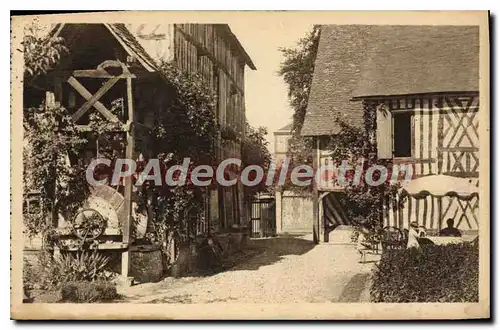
column 255, row 152
column 50, row 136
column 185, row 127
column 356, row 144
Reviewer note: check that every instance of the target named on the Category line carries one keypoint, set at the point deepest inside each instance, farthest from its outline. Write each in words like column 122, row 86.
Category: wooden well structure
column 108, row 74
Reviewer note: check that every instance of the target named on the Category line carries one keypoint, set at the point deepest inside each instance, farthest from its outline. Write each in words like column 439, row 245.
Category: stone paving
column 284, row 270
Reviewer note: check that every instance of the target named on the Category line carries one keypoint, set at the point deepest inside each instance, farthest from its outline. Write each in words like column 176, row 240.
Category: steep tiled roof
column 233, row 39
column 362, row 61
column 132, row 46
column 126, row 40
column 286, row 128
column 423, row 59
column 341, row 52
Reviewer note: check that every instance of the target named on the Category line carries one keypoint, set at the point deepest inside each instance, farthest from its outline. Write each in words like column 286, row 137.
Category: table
column 445, row 240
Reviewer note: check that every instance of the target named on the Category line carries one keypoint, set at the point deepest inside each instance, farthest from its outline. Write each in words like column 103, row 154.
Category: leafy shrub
column 88, row 292
column 436, row 273
column 51, row 272
column 39, row 273
column 28, row 279
column 84, row 266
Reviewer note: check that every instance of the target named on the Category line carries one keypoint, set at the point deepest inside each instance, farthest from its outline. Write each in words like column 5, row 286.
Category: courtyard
column 278, row 270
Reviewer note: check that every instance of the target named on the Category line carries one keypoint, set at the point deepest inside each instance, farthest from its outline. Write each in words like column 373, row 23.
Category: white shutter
column 384, row 133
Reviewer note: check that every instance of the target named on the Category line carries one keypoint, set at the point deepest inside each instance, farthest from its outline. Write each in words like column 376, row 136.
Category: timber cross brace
column 113, row 71
column 92, row 100
column 458, row 141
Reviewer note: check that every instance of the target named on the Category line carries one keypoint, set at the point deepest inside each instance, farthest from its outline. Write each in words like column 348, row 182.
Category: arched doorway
column 332, row 213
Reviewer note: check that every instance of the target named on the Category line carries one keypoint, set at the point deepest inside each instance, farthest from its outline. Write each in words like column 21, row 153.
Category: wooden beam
column 462, row 174
column 93, row 100
column 320, row 216
column 315, row 194
column 209, row 54
column 100, row 246
column 440, row 212
column 58, row 90
column 88, row 128
column 99, row 73
column 458, row 149
column 129, row 154
column 330, row 189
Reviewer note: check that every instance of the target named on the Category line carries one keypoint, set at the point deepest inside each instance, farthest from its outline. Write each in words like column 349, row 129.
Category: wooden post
column 53, row 219
column 440, row 213
column 385, row 213
column 129, row 154
column 323, row 219
column 261, row 221
column 278, row 217
column 315, row 194
column 58, row 94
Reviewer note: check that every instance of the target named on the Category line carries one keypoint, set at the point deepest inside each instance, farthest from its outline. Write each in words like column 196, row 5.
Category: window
column 402, row 131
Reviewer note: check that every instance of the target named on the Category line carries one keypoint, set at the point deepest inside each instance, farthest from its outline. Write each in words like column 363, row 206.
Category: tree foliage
column 356, row 145
column 297, row 70
column 255, row 152
column 363, row 203
column 40, row 53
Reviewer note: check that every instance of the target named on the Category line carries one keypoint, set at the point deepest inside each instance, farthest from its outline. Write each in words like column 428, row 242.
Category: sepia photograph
column 250, row 165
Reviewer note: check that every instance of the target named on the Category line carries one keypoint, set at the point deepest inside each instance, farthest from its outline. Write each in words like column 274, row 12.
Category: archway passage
column 332, row 212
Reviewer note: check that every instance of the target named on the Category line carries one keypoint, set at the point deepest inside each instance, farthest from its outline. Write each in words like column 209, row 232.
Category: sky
column 266, row 96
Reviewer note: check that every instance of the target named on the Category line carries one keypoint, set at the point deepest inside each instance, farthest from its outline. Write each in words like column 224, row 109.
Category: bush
column 88, row 292
column 446, row 273
column 50, row 272
column 84, row 266
column 39, row 272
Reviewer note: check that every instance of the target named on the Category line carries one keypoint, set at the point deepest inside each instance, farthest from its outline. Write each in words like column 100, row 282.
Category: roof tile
column 381, row 60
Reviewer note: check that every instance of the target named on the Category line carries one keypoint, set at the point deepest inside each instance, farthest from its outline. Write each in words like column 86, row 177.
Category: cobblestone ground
column 282, row 270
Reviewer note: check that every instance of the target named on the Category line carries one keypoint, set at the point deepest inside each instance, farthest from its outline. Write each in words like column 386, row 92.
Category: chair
column 392, row 238
column 406, row 233
column 369, row 246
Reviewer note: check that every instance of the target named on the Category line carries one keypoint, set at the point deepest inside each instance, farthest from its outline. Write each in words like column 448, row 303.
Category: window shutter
column 384, row 133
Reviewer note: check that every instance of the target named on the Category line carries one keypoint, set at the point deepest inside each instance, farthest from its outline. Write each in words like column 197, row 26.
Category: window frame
column 411, row 157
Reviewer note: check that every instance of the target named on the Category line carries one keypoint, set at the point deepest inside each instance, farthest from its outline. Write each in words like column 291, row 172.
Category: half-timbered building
column 426, row 77
column 117, row 65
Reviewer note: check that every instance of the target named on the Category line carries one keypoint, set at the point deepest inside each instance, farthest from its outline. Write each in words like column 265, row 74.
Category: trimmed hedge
column 88, row 292
column 434, row 273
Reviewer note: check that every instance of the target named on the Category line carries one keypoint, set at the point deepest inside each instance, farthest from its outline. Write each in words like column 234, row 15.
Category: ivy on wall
column 185, row 125
column 362, row 202
column 50, row 135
